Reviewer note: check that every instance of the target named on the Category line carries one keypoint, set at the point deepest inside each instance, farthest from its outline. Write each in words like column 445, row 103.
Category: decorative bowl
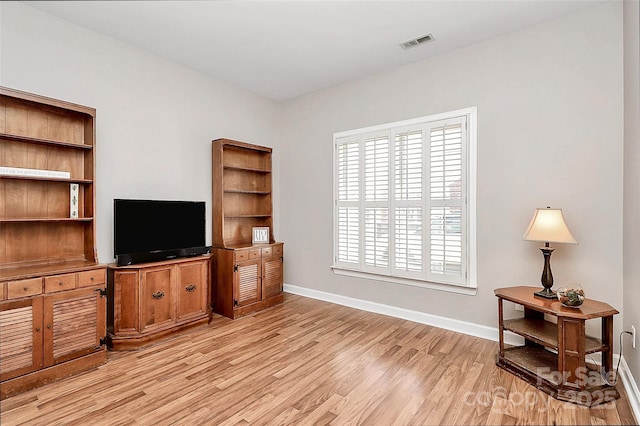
column 571, row 297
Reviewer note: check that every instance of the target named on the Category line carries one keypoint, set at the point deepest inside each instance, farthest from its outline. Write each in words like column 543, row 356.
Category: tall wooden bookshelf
column 52, row 289
column 42, row 140
column 246, row 277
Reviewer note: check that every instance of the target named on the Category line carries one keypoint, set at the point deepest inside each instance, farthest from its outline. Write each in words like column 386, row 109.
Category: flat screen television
column 152, row 230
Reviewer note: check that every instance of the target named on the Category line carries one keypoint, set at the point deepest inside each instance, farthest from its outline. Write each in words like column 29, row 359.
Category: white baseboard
column 631, row 387
column 471, row 329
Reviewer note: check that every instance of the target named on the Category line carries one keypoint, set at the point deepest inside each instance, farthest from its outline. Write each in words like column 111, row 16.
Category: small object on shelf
column 571, row 297
column 260, row 235
column 26, row 172
column 73, row 200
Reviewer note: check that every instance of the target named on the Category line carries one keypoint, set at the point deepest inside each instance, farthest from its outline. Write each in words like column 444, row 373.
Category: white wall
column 155, row 119
column 550, row 112
column 550, row 109
column 632, row 180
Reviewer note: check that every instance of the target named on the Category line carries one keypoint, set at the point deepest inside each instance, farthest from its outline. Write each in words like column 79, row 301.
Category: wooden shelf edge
column 18, row 272
column 40, row 141
column 48, row 220
column 242, row 191
column 48, row 179
column 245, row 216
column 246, row 169
column 31, row 97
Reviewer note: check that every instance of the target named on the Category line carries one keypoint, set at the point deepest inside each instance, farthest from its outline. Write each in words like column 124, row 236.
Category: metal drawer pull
column 158, row 295
column 190, row 288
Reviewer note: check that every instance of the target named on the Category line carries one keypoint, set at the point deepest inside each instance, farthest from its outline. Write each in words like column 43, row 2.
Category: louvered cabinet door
column 271, row 276
column 246, row 282
column 20, row 337
column 74, row 323
column 192, row 289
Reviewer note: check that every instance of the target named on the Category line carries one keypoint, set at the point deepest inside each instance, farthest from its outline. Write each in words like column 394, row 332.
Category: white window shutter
column 446, row 213
column 401, row 199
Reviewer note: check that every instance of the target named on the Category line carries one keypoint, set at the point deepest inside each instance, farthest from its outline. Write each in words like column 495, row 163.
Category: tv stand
column 154, row 300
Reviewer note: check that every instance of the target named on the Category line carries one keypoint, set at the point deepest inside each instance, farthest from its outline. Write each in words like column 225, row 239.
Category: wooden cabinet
column 50, row 328
column 247, row 277
column 553, row 355
column 47, row 245
column 149, row 301
column 247, row 280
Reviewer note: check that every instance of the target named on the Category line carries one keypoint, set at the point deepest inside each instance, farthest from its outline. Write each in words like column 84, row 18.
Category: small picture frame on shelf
column 260, row 235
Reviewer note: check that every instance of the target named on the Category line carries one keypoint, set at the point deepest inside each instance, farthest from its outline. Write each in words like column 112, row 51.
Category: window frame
column 425, row 279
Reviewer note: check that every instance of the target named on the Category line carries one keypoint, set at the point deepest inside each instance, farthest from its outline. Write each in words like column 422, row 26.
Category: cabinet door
column 271, row 276
column 156, row 298
column 192, row 289
column 74, row 323
column 20, row 337
column 125, row 306
column 246, row 283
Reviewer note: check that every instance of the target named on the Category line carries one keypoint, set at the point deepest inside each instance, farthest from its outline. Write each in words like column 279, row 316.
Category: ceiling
column 285, row 49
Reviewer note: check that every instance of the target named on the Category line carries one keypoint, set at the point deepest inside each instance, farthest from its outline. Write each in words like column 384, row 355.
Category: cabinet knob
column 190, row 288
column 37, row 328
column 49, row 327
column 158, row 295
column 25, row 288
column 60, row 283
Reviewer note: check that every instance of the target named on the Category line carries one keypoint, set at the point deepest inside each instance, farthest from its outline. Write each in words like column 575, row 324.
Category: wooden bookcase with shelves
column 553, row 357
column 247, row 277
column 39, row 234
column 52, row 289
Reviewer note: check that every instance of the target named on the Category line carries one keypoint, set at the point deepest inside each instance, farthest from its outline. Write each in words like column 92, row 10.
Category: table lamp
column 548, row 226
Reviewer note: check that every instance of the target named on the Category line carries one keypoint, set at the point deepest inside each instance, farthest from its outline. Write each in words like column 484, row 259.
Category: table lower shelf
column 539, row 367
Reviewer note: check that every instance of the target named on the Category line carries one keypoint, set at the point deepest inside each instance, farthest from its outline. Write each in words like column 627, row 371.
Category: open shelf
column 241, row 191
column 546, row 333
column 39, row 236
column 544, row 364
column 247, row 169
column 46, row 219
column 40, row 141
column 48, row 179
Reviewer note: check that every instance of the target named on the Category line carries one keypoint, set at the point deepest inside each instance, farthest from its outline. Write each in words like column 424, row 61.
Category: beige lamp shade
column 548, row 225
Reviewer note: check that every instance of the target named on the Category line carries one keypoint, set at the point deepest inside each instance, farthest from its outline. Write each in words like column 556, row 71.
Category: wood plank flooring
column 306, row 362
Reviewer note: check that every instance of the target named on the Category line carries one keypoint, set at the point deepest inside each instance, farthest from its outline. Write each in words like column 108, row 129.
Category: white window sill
column 451, row 288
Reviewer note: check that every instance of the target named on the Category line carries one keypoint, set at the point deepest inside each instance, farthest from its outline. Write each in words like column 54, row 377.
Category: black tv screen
column 146, row 230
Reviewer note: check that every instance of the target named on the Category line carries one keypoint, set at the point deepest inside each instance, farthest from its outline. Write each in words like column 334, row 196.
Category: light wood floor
column 306, row 362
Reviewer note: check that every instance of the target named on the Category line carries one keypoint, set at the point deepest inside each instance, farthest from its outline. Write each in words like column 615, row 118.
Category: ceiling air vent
column 416, row 41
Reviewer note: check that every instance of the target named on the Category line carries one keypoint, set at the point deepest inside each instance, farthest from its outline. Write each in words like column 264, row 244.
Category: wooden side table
column 553, row 356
